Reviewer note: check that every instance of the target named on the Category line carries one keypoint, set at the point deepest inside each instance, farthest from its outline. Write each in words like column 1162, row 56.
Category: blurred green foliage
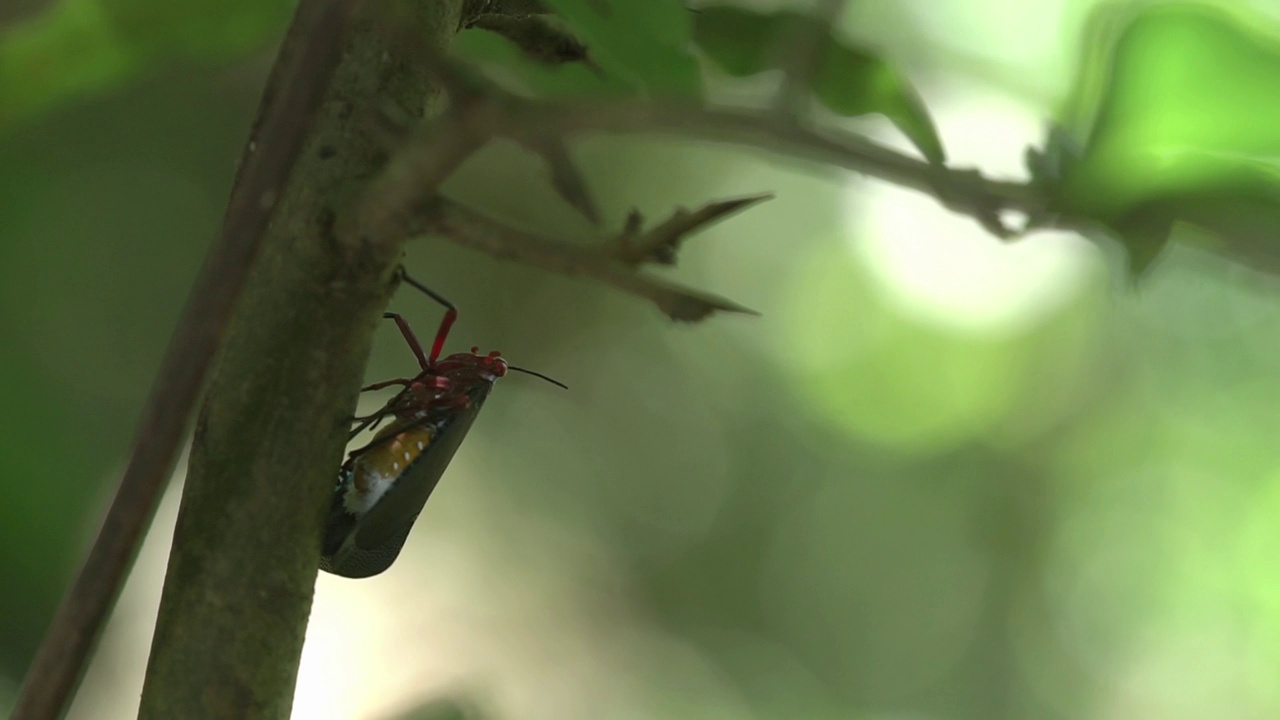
column 849, row 81
column 646, row 43
column 80, row 47
column 1176, row 120
column 106, row 210
column 845, row 508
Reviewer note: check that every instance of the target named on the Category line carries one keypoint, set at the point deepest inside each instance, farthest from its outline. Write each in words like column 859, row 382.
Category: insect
column 383, row 486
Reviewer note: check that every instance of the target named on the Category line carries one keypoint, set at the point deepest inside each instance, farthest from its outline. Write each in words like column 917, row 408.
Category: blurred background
column 940, row 478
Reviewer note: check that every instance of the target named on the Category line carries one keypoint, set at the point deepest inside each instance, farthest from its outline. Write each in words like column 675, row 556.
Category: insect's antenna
column 551, row 380
column 450, row 314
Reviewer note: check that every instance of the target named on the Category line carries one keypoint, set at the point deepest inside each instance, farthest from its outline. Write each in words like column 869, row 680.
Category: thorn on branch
column 679, row 303
column 661, row 244
column 566, row 178
column 540, row 39
column 470, row 228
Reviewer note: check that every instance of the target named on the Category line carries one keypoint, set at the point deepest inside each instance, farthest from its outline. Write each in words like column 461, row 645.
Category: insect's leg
column 386, row 384
column 450, row 314
column 366, row 423
column 369, row 422
column 409, row 338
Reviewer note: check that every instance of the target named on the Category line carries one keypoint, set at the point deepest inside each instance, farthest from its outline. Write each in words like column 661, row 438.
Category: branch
column 294, row 91
column 962, row 191
column 612, row 261
column 482, row 110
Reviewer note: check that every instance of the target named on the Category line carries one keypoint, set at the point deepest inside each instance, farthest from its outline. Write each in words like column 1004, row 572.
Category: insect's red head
column 450, row 382
column 472, row 366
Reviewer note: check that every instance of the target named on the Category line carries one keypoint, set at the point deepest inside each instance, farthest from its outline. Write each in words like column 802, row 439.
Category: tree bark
column 270, row 437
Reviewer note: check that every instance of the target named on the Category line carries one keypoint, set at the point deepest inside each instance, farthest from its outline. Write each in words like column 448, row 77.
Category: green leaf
column 1178, row 117
column 741, row 42
column 643, row 42
column 850, row 81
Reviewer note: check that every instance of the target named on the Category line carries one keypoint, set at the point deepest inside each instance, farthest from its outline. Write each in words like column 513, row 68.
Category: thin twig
column 605, row 261
column 295, row 89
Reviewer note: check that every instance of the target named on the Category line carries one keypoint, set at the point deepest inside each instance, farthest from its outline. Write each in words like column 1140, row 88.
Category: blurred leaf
column 741, row 42
column 850, row 81
column 78, row 47
column 199, row 30
column 1178, row 110
column 645, row 43
column 1240, row 214
column 64, row 53
column 50, row 495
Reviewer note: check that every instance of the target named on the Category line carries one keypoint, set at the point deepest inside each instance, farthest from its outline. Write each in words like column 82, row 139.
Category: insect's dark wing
column 358, row 546
column 400, row 506
column 349, row 560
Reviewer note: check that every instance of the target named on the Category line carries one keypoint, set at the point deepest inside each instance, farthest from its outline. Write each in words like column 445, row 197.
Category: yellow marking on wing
column 390, row 458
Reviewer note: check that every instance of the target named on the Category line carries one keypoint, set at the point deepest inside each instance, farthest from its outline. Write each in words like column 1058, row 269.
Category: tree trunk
column 270, row 437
